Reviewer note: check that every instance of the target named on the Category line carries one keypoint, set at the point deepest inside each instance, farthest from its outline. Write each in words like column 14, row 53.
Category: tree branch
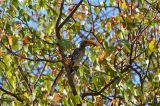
column 106, row 86
column 99, row 92
column 11, row 94
column 60, row 14
column 27, row 85
column 60, row 48
column 56, row 79
column 70, row 15
column 40, row 74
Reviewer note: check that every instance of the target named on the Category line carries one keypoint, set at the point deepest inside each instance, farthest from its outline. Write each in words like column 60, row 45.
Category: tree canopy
column 37, row 38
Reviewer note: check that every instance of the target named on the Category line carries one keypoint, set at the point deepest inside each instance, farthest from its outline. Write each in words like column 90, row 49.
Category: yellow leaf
column 152, row 46
column 10, row 40
column 124, row 6
column 103, row 56
column 115, row 102
column 81, row 16
column 159, row 78
column 57, row 97
column 109, row 25
column 26, row 94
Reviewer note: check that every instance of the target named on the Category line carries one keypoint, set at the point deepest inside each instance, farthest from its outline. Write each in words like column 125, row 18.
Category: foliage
column 37, row 37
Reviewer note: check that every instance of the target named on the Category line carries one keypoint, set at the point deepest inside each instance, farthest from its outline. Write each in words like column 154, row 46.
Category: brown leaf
column 83, row 7
column 1, row 52
column 103, row 56
column 25, row 40
column 21, row 57
column 54, row 71
column 99, row 101
column 66, row 61
column 99, row 39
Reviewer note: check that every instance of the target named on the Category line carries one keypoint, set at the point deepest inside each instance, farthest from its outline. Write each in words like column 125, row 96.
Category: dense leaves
column 37, row 38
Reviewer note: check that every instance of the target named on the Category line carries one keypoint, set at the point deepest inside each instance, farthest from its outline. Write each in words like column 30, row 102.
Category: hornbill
column 76, row 58
column 78, row 54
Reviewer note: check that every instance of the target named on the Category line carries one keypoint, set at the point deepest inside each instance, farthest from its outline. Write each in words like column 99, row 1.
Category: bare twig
column 99, row 92
column 70, row 15
column 40, row 74
column 27, row 85
column 56, row 79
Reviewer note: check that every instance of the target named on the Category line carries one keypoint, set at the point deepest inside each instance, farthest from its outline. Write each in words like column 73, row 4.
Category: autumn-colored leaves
column 25, row 40
column 81, row 15
column 102, row 57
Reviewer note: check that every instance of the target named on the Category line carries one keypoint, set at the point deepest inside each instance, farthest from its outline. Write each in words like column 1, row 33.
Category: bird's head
column 85, row 43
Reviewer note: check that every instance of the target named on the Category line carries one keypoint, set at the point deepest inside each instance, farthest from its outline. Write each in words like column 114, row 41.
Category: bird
column 75, row 58
column 79, row 53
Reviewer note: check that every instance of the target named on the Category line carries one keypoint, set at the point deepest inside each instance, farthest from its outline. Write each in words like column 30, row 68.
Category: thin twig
column 27, row 86
column 12, row 94
column 40, row 74
column 70, row 15
column 56, row 79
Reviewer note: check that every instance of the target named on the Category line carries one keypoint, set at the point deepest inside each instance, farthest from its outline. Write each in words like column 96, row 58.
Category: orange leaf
column 57, row 97
column 25, row 40
column 82, row 16
column 67, row 61
column 115, row 101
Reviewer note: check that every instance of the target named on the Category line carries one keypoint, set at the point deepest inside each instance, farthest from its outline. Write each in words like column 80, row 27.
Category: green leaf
column 112, row 67
column 9, row 74
column 96, row 10
column 119, row 32
column 66, row 44
column 22, row 12
column 111, row 2
column 42, row 3
column 127, row 46
column 81, row 71
column 49, row 28
column 124, row 6
column 77, row 99
column 152, row 46
column 76, row 27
